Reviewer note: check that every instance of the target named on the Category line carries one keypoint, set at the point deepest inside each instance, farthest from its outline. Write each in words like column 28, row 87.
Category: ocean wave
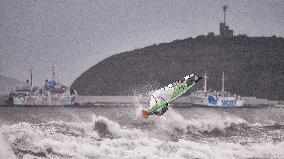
column 5, row 148
column 166, row 137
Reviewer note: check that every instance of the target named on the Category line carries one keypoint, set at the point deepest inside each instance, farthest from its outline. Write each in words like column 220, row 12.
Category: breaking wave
column 168, row 136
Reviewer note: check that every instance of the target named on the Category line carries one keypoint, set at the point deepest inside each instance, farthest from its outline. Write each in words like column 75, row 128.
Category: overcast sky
column 74, row 35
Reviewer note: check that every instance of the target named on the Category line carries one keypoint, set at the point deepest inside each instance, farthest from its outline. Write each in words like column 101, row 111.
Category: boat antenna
column 53, row 72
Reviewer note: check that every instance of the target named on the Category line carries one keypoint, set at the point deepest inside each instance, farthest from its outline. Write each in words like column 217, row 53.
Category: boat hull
column 214, row 101
column 43, row 100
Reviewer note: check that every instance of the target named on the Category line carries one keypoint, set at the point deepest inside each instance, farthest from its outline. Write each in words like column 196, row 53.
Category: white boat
column 215, row 98
column 52, row 93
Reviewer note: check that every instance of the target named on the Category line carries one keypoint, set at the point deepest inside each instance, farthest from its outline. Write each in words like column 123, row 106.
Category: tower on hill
column 224, row 29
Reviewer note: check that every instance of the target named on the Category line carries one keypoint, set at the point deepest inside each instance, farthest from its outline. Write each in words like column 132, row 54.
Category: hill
column 253, row 66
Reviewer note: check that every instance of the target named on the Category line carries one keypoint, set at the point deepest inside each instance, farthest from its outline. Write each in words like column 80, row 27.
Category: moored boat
column 215, row 98
column 52, row 93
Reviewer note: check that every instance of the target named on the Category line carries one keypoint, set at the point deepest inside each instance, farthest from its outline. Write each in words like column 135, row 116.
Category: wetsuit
column 160, row 113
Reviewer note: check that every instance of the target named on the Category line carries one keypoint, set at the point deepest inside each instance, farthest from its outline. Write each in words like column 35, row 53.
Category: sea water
column 113, row 132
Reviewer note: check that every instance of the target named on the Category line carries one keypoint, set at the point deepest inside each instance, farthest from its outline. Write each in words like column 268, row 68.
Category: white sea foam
column 139, row 106
column 212, row 120
column 172, row 120
column 5, row 148
column 82, row 140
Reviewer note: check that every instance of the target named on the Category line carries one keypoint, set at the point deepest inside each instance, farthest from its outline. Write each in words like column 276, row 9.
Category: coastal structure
column 225, row 29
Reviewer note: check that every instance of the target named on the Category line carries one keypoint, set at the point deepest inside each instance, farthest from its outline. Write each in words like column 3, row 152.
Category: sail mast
column 31, row 73
column 223, row 83
column 205, row 82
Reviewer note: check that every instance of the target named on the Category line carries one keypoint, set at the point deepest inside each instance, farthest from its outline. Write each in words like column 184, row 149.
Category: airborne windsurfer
column 165, row 96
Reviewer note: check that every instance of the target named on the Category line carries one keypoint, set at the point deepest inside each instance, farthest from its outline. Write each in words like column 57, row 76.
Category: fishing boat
column 51, row 93
column 215, row 98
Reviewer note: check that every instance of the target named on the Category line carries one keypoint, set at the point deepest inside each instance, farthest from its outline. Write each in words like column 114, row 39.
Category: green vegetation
column 253, row 66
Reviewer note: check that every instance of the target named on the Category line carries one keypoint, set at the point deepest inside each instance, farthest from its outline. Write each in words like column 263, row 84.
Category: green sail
column 164, row 97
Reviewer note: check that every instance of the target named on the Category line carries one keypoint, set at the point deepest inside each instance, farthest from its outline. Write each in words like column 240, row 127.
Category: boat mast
column 31, row 72
column 223, row 83
column 205, row 82
column 53, row 72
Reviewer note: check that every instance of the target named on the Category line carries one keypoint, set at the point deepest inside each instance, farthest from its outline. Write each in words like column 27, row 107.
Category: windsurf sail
column 160, row 99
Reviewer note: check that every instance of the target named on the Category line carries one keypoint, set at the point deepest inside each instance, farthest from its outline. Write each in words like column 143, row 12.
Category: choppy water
column 119, row 132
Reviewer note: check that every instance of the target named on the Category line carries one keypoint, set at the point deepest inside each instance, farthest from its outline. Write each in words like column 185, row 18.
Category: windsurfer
column 165, row 96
